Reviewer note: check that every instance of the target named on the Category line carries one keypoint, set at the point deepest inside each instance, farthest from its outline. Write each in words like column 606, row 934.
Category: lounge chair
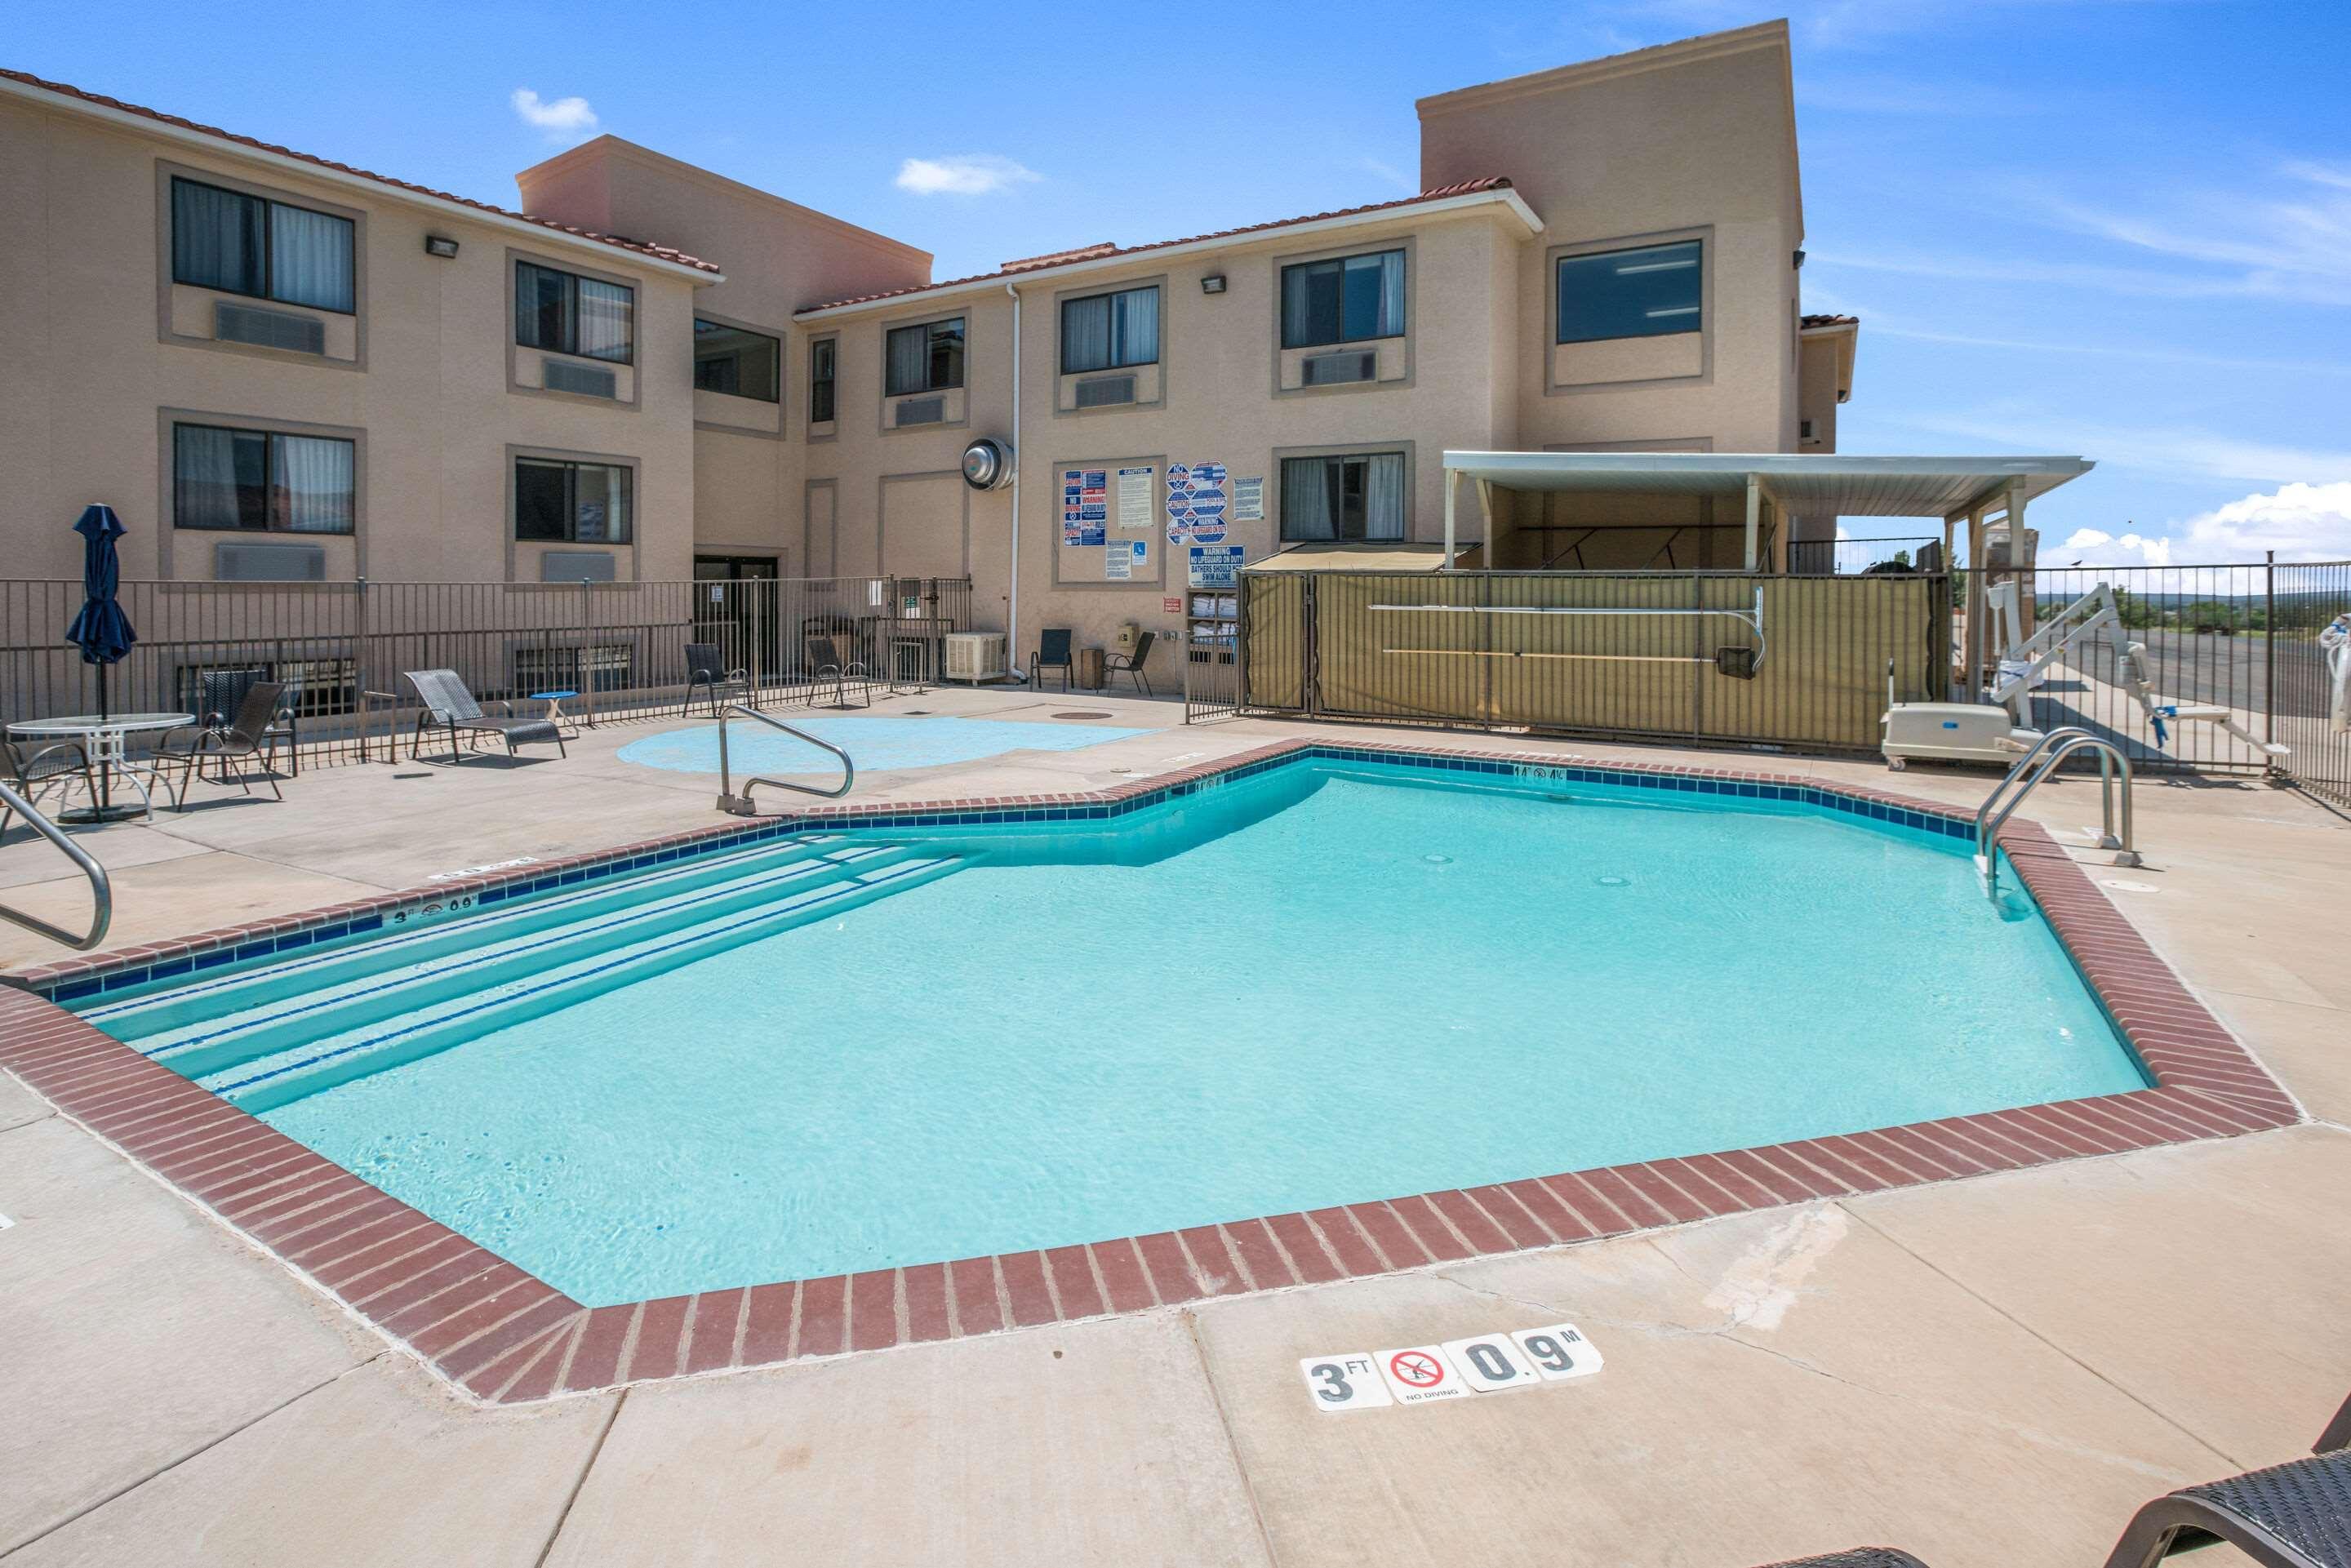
column 221, row 692
column 449, row 706
column 246, row 736
column 2293, row 1515
column 1053, row 654
column 34, row 768
column 824, row 657
column 705, row 669
column 1132, row 663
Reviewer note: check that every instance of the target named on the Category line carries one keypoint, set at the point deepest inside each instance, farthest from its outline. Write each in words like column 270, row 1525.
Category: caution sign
column 1347, row 1381
column 1418, row 1374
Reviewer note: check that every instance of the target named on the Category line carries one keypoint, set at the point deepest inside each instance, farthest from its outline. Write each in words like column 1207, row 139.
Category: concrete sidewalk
column 1989, row 1371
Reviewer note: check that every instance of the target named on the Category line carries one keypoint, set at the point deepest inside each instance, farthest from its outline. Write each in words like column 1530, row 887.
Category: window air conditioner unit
column 1332, row 370
column 1104, row 391
column 921, row 411
column 269, row 328
column 562, row 375
column 268, row 563
column 975, row 656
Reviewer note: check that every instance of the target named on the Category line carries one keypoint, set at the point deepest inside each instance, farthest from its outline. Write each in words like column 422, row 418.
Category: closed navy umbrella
column 100, row 630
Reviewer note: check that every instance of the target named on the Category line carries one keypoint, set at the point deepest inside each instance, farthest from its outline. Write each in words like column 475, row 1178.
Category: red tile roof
column 1831, row 320
column 642, row 247
column 1105, row 251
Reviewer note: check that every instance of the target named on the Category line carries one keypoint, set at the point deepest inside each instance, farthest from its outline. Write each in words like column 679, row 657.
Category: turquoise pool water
column 1323, row 984
column 876, row 741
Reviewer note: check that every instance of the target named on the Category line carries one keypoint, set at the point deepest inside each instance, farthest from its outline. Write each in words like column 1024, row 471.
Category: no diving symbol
column 1417, row 1368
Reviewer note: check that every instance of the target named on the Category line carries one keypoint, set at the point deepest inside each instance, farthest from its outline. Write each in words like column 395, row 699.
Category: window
column 1349, row 300
column 820, row 379
column 736, row 363
column 928, row 357
column 246, row 244
column 260, row 480
column 564, row 313
column 1642, row 293
column 1111, row 332
column 1351, row 497
column 571, row 503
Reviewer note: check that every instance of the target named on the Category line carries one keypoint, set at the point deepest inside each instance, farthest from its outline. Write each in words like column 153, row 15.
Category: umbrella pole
column 105, row 774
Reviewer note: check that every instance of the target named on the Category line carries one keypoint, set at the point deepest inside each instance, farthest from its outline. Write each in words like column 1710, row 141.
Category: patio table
column 105, row 737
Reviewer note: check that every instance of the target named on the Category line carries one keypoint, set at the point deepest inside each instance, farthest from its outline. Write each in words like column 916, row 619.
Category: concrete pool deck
column 1990, row 1371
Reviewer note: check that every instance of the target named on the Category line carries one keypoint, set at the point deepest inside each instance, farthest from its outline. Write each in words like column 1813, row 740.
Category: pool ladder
column 740, row 805
column 2049, row 751
column 101, row 891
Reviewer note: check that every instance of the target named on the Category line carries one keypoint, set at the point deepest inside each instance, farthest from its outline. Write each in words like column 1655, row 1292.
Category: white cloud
column 2300, row 522
column 564, row 119
column 2181, row 450
column 1391, row 174
column 967, row 174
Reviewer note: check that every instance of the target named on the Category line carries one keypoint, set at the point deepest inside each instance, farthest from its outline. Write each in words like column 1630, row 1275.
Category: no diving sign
column 1424, row 1374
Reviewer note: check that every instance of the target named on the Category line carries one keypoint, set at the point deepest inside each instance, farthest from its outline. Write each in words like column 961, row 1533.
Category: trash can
column 1091, row 673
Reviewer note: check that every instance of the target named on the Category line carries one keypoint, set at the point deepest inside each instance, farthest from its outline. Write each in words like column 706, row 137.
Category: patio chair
column 705, row 669
column 449, row 706
column 1856, row 1557
column 1132, row 663
column 2293, row 1515
column 34, row 768
column 244, row 737
column 825, row 660
column 1053, row 652
column 220, row 691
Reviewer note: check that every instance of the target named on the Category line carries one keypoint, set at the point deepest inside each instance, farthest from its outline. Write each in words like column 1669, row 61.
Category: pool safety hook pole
column 1750, row 619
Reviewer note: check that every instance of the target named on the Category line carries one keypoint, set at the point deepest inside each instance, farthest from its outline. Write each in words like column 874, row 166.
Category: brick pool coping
column 504, row 1336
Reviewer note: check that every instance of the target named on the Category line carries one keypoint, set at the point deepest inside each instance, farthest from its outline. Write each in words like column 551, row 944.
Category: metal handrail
column 101, row 891
column 2051, row 750
column 740, row 805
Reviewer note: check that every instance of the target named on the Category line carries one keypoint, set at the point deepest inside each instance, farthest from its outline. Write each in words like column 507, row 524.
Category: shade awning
column 1365, row 555
column 1803, row 483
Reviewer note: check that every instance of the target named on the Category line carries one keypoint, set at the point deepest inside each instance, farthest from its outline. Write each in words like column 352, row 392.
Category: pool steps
column 262, row 1043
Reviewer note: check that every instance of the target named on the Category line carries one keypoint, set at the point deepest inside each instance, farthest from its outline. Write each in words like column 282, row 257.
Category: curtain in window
column 606, row 320
column 1306, row 498
column 1086, row 334
column 216, row 238
column 1384, row 496
column 1136, row 314
column 1392, row 295
column 309, row 258
column 313, row 476
column 204, row 479
column 909, row 361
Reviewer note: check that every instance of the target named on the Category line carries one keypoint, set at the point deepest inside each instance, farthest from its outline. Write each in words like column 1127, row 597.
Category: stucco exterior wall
column 95, row 369
column 1692, row 141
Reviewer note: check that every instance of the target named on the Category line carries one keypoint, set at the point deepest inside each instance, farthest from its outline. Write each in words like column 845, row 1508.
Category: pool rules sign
column 1425, row 1374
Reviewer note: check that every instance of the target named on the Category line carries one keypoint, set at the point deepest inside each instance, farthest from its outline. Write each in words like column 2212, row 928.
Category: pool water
column 875, row 742
column 1326, row 983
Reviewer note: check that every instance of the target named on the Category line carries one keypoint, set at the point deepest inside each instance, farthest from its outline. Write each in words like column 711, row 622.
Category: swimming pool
column 877, row 741
column 1329, row 981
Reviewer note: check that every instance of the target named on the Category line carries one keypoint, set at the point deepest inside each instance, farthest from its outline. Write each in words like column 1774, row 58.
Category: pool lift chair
column 1999, row 728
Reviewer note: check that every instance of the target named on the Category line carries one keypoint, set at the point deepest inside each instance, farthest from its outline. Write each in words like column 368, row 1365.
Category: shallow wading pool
column 1325, row 982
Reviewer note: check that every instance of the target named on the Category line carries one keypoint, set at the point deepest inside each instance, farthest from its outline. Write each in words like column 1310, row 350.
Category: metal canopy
column 1807, row 484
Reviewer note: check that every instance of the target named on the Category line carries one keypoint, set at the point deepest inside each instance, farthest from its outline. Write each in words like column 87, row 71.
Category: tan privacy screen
column 1397, row 645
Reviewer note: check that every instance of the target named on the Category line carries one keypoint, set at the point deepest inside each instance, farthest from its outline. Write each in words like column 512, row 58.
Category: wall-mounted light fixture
column 1800, row 259
column 441, row 246
column 1213, row 284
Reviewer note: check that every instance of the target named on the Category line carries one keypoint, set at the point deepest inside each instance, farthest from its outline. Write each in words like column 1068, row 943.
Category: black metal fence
column 343, row 647
column 1701, row 657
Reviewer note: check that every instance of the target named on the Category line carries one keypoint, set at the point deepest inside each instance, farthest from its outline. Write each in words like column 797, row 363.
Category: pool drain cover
column 1085, row 714
column 1615, row 882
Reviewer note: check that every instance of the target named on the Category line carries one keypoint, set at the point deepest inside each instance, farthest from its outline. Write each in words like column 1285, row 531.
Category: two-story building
column 288, row 368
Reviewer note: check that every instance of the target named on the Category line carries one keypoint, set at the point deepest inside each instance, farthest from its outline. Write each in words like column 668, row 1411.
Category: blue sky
column 2118, row 227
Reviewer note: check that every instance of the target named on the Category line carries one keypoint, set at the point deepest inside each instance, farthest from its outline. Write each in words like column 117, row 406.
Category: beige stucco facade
column 1689, row 143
